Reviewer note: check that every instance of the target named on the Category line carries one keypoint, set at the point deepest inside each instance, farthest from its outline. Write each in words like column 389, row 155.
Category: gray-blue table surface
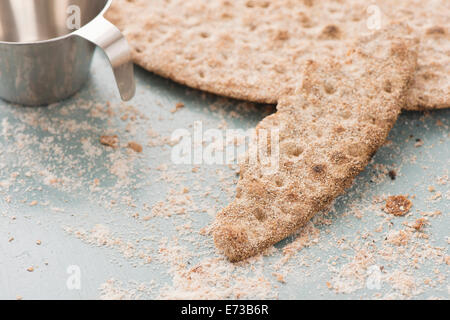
column 81, row 220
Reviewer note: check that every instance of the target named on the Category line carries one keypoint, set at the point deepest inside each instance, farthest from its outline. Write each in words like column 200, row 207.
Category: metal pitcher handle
column 107, row 36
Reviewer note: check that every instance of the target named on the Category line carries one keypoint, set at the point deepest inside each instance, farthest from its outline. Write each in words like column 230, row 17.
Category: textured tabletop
column 84, row 220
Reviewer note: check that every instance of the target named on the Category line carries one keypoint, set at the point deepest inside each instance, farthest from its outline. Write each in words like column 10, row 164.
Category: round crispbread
column 255, row 49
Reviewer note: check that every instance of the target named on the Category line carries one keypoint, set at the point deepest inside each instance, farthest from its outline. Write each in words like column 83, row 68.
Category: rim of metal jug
column 101, row 13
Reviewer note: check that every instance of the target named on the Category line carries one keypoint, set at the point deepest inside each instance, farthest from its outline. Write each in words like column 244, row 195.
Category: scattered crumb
column 111, row 290
column 136, row 147
column 178, row 107
column 418, row 143
column 398, row 238
column 279, row 277
column 398, row 205
column 419, row 224
column 110, row 141
column 392, row 174
column 436, row 196
column 431, row 214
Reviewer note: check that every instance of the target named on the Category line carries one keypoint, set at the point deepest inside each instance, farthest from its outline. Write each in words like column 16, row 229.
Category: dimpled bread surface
column 329, row 128
column 255, row 49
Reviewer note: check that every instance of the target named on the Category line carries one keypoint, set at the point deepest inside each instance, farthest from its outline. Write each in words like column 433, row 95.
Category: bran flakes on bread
column 255, row 49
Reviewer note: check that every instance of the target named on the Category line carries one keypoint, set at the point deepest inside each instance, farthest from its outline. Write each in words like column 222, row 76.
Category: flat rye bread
column 329, row 129
column 255, row 49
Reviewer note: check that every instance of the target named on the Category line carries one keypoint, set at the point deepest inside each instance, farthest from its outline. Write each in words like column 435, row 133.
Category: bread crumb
column 392, row 174
column 33, row 203
column 136, row 147
column 419, row 224
column 431, row 214
column 398, row 205
column 178, row 107
column 419, row 143
column 279, row 277
column 30, row 269
column 110, row 141
column 398, row 238
column 436, row 196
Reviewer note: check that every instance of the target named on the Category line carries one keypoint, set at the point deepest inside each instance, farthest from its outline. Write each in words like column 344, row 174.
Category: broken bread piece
column 329, row 128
